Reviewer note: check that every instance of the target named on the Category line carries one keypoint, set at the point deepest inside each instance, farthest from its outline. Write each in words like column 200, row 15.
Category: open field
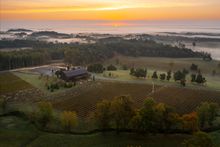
column 10, row 83
column 213, row 82
column 165, row 64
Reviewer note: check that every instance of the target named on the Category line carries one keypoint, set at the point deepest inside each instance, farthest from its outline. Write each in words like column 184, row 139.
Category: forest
column 83, row 54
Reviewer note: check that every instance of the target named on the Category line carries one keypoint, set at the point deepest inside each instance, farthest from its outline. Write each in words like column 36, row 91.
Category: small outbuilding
column 74, row 75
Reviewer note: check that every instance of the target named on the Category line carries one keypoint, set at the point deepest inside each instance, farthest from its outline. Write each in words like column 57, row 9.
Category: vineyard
column 183, row 99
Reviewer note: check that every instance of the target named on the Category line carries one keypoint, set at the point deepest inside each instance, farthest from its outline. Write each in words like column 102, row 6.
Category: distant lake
column 114, row 27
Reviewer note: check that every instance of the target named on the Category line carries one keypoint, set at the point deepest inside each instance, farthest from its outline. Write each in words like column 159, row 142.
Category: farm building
column 73, row 75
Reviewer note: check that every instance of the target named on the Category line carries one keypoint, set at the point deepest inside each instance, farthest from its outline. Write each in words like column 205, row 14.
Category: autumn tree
column 45, row 113
column 68, row 120
column 122, row 111
column 190, row 122
column 103, row 114
column 166, row 117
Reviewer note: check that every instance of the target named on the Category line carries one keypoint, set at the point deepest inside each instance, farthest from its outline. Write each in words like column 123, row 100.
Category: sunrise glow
column 109, row 9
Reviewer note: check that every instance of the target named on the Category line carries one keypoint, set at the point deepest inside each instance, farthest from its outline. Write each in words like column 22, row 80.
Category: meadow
column 164, row 64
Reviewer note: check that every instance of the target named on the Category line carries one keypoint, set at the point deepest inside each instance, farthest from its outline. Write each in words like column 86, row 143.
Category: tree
column 178, row 76
column 68, row 120
column 73, row 56
column 45, row 113
column 96, row 68
column 111, row 68
column 193, row 78
column 103, row 114
column 148, row 115
column 132, row 71
column 154, row 76
column 140, row 73
column 162, row 76
column 168, row 75
column 200, row 79
column 207, row 113
column 190, row 122
column 199, row 139
column 166, row 118
column 122, row 112
column 194, row 67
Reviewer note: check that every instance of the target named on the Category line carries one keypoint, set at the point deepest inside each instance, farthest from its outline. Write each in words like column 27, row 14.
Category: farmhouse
column 75, row 74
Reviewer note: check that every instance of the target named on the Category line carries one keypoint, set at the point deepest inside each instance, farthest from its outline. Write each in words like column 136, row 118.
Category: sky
column 110, row 9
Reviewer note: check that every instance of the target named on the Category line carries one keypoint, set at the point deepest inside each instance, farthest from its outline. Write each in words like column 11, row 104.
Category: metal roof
column 75, row 73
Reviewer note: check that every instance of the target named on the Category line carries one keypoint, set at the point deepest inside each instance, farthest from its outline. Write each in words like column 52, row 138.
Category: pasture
column 165, row 64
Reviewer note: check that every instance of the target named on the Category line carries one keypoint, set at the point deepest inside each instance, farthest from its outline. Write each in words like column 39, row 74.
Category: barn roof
column 75, row 73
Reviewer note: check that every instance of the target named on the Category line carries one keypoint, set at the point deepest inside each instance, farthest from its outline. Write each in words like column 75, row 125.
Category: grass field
column 33, row 79
column 213, row 83
column 159, row 63
column 10, row 83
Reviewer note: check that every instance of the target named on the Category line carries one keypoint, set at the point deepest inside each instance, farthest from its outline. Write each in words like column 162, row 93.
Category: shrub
column 96, row 68
column 111, row 68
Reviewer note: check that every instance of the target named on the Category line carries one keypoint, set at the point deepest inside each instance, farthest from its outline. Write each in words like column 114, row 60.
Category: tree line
column 83, row 54
column 18, row 59
column 152, row 117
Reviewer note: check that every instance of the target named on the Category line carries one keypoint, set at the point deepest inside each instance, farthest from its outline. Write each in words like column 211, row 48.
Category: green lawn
column 35, row 81
column 160, row 63
column 213, row 83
